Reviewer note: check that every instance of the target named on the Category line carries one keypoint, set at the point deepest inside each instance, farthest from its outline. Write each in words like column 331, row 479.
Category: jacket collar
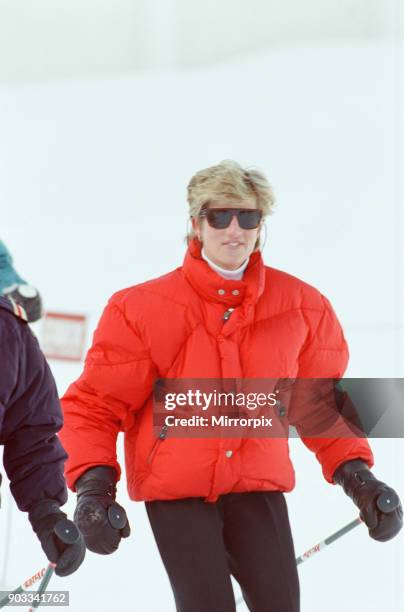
column 212, row 287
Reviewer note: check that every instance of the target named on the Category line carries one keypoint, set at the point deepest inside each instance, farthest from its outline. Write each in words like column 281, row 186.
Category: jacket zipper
column 162, row 436
column 227, row 314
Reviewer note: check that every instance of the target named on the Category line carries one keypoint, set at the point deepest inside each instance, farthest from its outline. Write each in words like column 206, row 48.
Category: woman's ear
column 262, row 228
column 196, row 227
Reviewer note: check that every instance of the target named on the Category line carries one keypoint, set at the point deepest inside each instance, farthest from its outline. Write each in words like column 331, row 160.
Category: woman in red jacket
column 216, row 505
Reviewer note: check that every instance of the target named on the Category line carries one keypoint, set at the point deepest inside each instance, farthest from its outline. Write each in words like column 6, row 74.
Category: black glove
column 101, row 520
column 379, row 505
column 60, row 539
column 28, row 297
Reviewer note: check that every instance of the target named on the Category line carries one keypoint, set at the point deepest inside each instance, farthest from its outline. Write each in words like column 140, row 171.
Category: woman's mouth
column 232, row 244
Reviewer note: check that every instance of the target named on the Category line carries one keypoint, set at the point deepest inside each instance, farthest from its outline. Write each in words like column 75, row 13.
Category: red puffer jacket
column 173, row 327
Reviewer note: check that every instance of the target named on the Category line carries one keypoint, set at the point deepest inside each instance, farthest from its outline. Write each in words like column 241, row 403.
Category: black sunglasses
column 220, row 218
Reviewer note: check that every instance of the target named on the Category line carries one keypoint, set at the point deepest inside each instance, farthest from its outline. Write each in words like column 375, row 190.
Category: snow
column 92, row 196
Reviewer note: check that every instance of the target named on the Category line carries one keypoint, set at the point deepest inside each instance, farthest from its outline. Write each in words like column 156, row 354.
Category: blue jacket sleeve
column 31, row 417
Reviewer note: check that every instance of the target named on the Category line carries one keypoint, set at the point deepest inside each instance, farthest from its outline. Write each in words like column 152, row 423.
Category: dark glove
column 28, row 297
column 60, row 539
column 379, row 505
column 101, row 520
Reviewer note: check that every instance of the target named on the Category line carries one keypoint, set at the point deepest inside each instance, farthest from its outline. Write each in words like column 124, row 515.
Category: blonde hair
column 229, row 181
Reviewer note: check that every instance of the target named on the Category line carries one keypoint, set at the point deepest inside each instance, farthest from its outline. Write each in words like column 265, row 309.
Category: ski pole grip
column 66, row 531
column 117, row 516
column 388, row 502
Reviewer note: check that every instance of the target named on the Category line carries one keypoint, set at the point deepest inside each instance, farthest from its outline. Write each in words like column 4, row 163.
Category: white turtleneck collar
column 227, row 274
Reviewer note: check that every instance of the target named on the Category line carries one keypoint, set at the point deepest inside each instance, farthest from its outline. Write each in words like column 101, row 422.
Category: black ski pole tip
column 67, row 531
column 388, row 502
column 117, row 516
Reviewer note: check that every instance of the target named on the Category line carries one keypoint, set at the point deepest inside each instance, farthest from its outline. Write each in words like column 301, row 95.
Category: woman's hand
column 100, row 519
column 379, row 505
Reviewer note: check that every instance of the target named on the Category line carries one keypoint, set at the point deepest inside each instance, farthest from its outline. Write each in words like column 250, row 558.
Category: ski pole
column 335, row 536
column 315, row 549
column 67, row 533
column 23, row 587
column 386, row 503
column 43, row 584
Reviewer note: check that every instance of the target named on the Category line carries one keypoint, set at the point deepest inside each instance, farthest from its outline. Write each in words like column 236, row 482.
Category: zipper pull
column 227, row 314
column 163, row 432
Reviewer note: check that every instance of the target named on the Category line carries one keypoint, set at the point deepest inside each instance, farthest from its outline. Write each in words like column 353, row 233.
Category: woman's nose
column 234, row 227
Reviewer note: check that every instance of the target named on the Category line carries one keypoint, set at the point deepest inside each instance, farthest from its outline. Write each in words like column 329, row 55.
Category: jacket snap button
column 229, row 454
column 235, row 292
column 221, row 291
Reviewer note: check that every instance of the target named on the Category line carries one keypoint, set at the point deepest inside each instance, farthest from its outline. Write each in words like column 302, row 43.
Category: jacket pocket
column 161, row 437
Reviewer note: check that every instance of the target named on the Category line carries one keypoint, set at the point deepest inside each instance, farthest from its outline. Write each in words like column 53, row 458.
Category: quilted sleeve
column 325, row 355
column 117, row 380
column 31, row 418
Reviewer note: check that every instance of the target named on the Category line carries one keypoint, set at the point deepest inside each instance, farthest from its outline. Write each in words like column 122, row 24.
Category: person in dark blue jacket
column 15, row 287
column 30, row 417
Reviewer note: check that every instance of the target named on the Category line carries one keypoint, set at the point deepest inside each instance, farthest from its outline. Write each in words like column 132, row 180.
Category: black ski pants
column 244, row 534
